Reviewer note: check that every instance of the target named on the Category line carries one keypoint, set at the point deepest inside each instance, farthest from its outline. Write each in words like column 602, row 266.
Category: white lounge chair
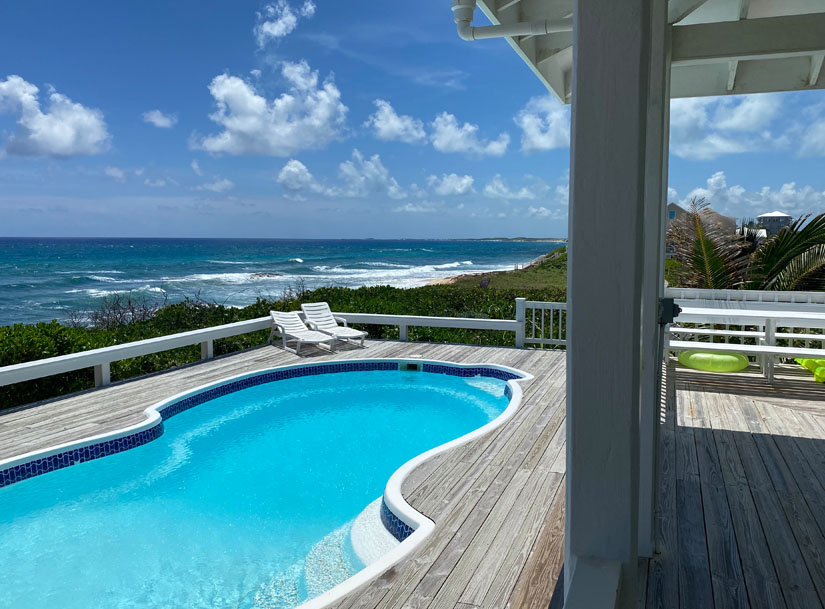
column 319, row 317
column 292, row 328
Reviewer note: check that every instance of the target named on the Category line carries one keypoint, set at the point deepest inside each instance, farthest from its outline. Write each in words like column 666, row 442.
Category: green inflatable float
column 817, row 366
column 713, row 361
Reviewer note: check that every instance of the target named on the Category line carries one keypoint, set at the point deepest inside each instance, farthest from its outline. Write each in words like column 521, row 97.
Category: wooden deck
column 741, row 519
column 498, row 502
column 741, row 516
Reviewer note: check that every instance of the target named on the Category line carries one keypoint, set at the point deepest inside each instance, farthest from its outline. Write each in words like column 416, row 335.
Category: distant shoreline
column 453, row 279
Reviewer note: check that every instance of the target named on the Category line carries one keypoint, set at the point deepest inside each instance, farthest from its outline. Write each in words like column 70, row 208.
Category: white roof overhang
column 719, row 47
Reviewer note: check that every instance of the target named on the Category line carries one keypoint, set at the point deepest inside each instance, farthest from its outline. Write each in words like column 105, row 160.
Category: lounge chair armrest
column 341, row 320
column 312, row 325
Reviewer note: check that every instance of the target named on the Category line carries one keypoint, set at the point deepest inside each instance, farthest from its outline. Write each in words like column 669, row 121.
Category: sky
column 329, row 119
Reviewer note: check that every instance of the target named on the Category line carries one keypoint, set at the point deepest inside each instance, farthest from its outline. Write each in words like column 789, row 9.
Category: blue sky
column 318, row 118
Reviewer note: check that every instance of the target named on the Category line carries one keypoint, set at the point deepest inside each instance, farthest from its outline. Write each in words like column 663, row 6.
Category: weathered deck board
column 746, row 459
column 496, row 501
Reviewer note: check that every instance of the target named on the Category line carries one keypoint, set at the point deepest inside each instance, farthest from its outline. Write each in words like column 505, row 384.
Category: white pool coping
column 421, row 525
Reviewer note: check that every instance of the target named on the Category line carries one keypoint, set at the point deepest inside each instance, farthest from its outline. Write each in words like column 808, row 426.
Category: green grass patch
column 548, row 274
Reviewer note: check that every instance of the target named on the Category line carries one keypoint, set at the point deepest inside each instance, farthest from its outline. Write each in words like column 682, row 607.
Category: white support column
column 653, row 282
column 611, row 98
column 402, row 332
column 207, row 349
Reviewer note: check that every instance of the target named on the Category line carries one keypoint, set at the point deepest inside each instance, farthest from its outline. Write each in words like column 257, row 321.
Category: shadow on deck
column 741, row 517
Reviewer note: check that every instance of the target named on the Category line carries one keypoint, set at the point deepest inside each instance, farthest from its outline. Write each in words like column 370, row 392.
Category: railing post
column 207, row 350
column 520, row 314
column 102, row 374
column 770, row 339
column 402, row 332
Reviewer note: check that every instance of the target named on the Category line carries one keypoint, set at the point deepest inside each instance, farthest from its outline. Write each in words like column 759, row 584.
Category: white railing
column 101, row 359
column 545, row 323
column 404, row 322
column 536, row 323
column 761, row 296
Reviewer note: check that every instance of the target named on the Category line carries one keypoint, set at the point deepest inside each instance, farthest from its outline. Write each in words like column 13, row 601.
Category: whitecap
column 388, row 265
column 299, row 260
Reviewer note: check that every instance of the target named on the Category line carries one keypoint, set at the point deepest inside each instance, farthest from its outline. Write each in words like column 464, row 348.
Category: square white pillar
column 613, row 130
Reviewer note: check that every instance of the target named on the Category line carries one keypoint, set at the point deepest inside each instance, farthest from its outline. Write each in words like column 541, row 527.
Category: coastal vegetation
column 709, row 257
column 547, row 273
column 125, row 319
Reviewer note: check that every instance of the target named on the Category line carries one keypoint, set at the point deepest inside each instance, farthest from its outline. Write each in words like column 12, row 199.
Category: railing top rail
column 537, row 304
column 83, row 359
column 746, row 295
column 469, row 323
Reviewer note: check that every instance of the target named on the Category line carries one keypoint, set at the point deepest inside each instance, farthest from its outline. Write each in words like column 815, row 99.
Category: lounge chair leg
column 298, row 348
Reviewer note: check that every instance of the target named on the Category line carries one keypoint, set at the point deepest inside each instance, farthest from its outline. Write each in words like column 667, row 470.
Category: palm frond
column 805, row 272
column 712, row 258
column 771, row 261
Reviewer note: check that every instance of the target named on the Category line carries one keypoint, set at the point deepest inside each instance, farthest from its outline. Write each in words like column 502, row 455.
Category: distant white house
column 774, row 221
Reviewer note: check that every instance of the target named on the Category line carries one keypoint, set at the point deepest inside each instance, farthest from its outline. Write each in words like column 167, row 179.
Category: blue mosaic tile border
column 504, row 375
column 74, row 456
column 397, row 527
column 105, row 448
column 269, row 377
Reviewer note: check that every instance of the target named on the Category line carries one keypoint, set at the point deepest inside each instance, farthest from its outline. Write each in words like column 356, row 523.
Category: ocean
column 45, row 279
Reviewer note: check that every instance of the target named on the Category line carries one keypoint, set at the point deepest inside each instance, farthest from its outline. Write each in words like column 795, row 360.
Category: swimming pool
column 247, row 500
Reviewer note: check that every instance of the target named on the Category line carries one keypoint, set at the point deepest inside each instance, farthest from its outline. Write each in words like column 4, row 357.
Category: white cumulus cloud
column 812, row 142
column 387, row 125
column 416, row 208
column 279, row 19
column 363, row 176
column 116, row 173
column 545, row 212
column 359, row 177
column 544, row 124
column 738, row 201
column 497, row 188
column 451, row 184
column 65, row 129
column 449, row 136
column 308, row 116
column 218, row 185
column 159, row 119
column 196, row 167
column 296, row 177
column 706, row 128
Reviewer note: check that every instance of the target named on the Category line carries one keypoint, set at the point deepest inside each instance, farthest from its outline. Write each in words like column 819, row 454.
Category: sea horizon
column 45, row 278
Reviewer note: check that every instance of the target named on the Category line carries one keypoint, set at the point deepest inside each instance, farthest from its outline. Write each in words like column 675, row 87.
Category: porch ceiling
column 720, row 47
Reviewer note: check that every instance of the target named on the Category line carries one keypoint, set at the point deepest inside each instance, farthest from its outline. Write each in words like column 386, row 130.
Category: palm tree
column 710, row 258
column 793, row 259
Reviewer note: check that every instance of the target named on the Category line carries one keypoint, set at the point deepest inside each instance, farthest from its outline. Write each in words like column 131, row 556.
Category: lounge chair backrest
column 320, row 314
column 291, row 321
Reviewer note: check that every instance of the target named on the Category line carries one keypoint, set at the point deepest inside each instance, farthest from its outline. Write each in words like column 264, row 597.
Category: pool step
column 370, row 538
column 283, row 591
column 329, row 562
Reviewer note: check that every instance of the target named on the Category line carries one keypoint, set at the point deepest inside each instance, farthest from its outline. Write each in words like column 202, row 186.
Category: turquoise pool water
column 244, row 501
